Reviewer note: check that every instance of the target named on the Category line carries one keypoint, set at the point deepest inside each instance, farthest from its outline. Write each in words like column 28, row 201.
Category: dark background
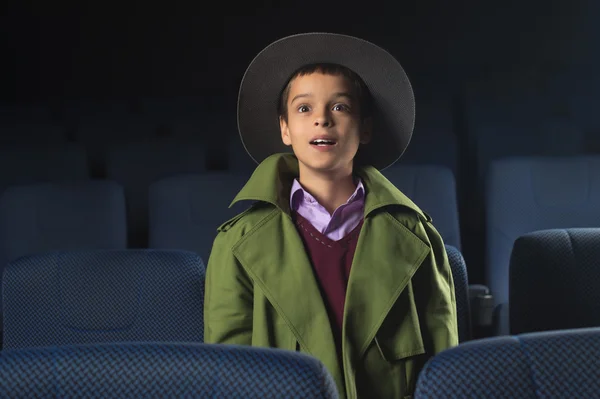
column 53, row 54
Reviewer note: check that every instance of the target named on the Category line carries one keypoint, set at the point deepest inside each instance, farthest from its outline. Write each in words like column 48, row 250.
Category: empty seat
column 512, row 119
column 535, row 193
column 185, row 211
column 159, row 370
column 461, row 290
column 559, row 364
column 433, row 189
column 137, row 165
column 26, row 164
column 98, row 136
column 61, row 216
column 67, row 216
column 79, row 297
column 549, row 136
column 554, row 275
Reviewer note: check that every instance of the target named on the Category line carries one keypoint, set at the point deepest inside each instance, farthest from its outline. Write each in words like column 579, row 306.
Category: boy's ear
column 285, row 131
column 366, row 131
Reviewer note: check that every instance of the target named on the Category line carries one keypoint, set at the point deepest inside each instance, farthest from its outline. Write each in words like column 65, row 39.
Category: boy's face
column 323, row 107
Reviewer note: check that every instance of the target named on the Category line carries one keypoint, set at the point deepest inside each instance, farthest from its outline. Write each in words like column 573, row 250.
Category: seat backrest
column 507, row 118
column 162, row 370
column 137, row 165
column 99, row 135
column 81, row 297
column 535, row 193
column 539, row 365
column 433, row 189
column 461, row 291
column 38, row 164
column 554, row 275
column 61, row 216
column 185, row 211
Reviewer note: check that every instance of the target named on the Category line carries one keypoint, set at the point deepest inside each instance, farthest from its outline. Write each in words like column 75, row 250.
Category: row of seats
column 90, row 215
column 101, row 297
column 79, row 296
column 542, row 365
column 74, row 296
column 522, row 196
column 137, row 166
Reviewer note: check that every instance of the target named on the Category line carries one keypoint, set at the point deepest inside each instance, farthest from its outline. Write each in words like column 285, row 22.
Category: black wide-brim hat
column 392, row 95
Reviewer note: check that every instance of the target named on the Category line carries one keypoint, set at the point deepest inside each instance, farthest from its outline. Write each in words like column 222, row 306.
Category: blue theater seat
column 27, row 164
column 526, row 194
column 433, row 189
column 554, row 275
column 61, row 216
column 185, row 211
column 461, row 291
column 158, row 370
column 136, row 165
column 81, row 297
column 558, row 364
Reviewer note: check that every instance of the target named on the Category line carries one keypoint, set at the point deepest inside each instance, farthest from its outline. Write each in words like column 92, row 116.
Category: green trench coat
column 400, row 306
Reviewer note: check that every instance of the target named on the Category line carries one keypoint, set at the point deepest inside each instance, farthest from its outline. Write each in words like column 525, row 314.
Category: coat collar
column 272, row 182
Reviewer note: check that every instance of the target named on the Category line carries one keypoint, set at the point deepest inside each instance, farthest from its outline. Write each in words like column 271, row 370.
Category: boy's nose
column 322, row 120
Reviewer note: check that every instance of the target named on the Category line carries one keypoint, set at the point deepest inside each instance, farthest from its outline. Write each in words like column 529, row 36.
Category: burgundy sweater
column 331, row 261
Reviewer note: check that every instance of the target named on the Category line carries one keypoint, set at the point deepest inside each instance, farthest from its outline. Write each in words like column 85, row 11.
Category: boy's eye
column 340, row 107
column 303, row 108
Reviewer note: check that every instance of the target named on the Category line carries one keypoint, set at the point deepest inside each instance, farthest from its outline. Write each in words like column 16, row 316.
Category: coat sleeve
column 435, row 296
column 228, row 297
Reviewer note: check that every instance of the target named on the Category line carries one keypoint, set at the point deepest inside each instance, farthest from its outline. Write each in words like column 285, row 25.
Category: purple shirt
column 343, row 220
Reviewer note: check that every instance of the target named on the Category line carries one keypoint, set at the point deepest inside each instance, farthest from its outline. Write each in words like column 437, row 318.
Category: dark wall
column 54, row 51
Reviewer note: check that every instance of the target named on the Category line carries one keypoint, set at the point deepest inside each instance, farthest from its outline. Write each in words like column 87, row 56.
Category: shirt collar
column 298, row 194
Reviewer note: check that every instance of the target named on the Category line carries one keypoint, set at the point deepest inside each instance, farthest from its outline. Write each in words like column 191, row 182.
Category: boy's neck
column 330, row 190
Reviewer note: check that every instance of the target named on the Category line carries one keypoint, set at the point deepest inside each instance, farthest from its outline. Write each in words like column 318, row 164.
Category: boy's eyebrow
column 343, row 94
column 300, row 96
column 336, row 95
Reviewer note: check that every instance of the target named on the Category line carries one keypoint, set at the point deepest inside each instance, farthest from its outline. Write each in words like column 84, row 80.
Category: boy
column 331, row 260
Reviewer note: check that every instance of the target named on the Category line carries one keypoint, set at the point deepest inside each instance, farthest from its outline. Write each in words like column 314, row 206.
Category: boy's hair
column 360, row 88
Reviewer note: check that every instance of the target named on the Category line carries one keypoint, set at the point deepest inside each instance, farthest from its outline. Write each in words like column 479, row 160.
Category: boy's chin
column 323, row 166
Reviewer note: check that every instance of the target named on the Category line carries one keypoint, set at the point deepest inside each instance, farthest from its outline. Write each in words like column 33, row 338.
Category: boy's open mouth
column 323, row 142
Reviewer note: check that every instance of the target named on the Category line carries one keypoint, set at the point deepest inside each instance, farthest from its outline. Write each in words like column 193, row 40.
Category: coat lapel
column 387, row 256
column 274, row 255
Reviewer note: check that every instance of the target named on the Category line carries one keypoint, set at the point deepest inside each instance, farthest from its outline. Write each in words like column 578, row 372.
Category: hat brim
column 271, row 69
